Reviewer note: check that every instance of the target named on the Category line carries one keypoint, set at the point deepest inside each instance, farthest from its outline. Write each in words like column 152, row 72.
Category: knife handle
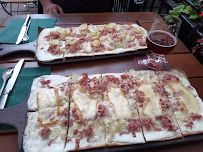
column 3, row 100
column 2, row 87
column 26, row 20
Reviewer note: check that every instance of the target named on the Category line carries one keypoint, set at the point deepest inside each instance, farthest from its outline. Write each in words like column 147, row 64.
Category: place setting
column 21, row 33
column 70, row 56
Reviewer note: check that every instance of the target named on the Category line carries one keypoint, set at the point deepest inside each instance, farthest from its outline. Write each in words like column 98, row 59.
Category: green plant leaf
column 189, row 8
column 176, row 14
column 184, row 8
column 195, row 16
column 186, row 11
column 169, row 20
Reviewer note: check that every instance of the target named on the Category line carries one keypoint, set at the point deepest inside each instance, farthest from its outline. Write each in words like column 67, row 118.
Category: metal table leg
column 4, row 5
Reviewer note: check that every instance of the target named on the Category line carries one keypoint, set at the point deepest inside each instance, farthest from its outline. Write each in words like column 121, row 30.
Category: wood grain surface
column 186, row 62
column 197, row 83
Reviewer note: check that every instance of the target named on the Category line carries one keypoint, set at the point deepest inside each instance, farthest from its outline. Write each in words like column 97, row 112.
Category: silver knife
column 11, row 83
column 23, row 29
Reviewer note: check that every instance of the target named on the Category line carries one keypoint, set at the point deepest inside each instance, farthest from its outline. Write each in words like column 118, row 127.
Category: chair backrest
column 134, row 5
column 121, row 5
column 124, row 6
column 40, row 9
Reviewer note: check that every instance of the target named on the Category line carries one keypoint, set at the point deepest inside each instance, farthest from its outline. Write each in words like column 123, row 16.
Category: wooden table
column 180, row 57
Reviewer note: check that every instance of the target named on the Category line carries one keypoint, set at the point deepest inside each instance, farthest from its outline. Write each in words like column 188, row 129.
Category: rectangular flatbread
column 46, row 130
column 89, row 40
column 122, row 123
column 85, row 111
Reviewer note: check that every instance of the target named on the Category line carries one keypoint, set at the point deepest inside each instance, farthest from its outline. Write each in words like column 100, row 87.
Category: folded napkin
column 22, row 86
column 10, row 33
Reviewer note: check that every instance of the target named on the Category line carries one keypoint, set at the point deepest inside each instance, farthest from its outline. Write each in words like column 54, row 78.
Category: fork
column 6, row 75
column 26, row 37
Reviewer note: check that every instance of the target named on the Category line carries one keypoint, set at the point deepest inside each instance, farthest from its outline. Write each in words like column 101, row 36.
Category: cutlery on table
column 5, row 76
column 26, row 37
column 11, row 83
column 23, row 29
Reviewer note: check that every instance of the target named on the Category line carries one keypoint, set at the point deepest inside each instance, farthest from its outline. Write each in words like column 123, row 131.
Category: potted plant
column 193, row 8
column 191, row 14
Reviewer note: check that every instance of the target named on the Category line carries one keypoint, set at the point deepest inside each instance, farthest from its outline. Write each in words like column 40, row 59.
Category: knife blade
column 23, row 29
column 11, row 83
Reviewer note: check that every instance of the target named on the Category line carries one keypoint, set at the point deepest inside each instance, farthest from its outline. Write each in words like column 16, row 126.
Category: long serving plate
column 7, row 49
column 16, row 116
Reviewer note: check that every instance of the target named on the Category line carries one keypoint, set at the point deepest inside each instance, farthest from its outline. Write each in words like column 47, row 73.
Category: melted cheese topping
column 107, row 45
column 180, row 116
column 153, row 108
column 120, row 102
column 87, row 47
column 86, row 104
column 32, row 141
column 46, row 98
column 92, row 28
column 48, row 116
column 187, row 97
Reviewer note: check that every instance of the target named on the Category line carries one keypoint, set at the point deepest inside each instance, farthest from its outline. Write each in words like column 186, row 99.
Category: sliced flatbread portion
column 123, row 127
column 188, row 108
column 186, row 103
column 46, row 130
column 154, row 107
column 122, row 123
column 83, row 133
column 158, row 122
column 49, row 91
